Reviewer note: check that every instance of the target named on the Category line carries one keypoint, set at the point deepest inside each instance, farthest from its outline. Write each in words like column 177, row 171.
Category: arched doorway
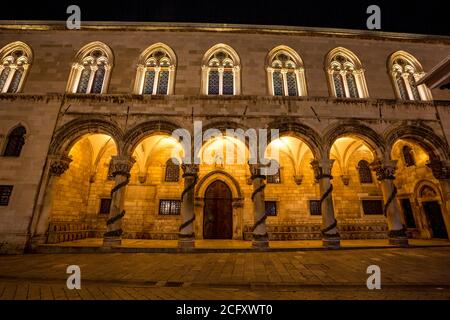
column 218, row 212
column 433, row 213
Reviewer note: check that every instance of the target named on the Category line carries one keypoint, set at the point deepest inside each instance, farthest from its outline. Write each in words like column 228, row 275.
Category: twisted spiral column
column 260, row 236
column 120, row 169
column 322, row 173
column 186, row 236
column 385, row 171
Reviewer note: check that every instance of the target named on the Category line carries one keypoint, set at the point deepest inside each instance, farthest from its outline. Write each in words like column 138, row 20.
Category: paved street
column 419, row 273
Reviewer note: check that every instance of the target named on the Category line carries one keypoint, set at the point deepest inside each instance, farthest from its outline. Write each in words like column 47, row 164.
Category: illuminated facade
column 86, row 123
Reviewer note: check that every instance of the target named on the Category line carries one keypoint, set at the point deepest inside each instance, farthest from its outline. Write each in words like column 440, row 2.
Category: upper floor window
column 16, row 59
column 365, row 174
column 15, row 142
column 156, row 71
column 221, row 71
column 345, row 74
column 405, row 71
column 91, row 70
column 172, row 173
column 408, row 156
column 285, row 72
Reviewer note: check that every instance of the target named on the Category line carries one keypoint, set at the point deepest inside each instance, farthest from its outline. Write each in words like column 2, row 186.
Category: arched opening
column 419, row 191
column 82, row 198
column 218, row 212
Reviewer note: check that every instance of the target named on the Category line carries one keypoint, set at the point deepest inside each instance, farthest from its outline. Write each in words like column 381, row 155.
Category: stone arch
column 223, row 176
column 427, row 184
column 300, row 131
column 436, row 147
column 138, row 133
column 354, row 128
column 67, row 135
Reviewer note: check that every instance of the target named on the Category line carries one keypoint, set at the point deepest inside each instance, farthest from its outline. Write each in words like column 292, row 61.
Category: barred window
column 228, row 80
column 169, row 207
column 401, row 87
column 213, row 82
column 338, row 85
column 84, row 80
column 105, row 206
column 172, row 171
column 15, row 142
column 372, row 207
column 351, row 82
column 271, row 208
column 163, row 82
column 412, row 84
column 365, row 174
column 5, row 194
column 149, row 82
column 291, row 80
column 315, row 208
column 277, row 83
column 15, row 81
column 408, row 156
column 99, row 77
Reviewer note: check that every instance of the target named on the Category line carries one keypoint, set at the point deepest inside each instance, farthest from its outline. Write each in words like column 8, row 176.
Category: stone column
column 58, row 164
column 186, row 236
column 441, row 171
column 385, row 171
column 120, row 170
column 260, row 236
column 322, row 173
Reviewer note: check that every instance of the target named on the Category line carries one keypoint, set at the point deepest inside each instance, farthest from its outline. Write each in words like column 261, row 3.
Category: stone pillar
column 120, row 170
column 385, row 171
column 441, row 171
column 322, row 173
column 58, row 164
column 186, row 236
column 260, row 236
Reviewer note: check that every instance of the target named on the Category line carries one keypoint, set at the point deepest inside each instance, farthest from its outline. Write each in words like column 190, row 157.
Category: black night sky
column 426, row 17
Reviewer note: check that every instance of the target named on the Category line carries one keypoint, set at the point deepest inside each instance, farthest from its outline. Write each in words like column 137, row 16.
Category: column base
column 331, row 243
column 112, row 241
column 260, row 241
column 187, row 243
column 36, row 241
column 401, row 242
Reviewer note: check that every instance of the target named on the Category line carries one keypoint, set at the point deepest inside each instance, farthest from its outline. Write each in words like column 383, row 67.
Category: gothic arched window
column 365, row 174
column 15, row 59
column 91, row 70
column 345, row 74
column 15, row 142
column 156, row 70
column 405, row 71
column 172, row 173
column 408, row 156
column 285, row 72
column 221, row 71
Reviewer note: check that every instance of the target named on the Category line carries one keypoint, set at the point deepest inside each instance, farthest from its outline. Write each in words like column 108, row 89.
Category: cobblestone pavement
column 420, row 273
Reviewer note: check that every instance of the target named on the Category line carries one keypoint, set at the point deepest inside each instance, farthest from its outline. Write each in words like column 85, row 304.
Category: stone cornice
column 141, row 99
column 226, row 28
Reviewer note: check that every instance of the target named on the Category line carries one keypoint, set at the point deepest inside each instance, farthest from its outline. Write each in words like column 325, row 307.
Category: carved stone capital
column 190, row 169
column 441, row 169
column 256, row 170
column 298, row 179
column 322, row 168
column 59, row 164
column 121, row 165
column 345, row 179
column 384, row 169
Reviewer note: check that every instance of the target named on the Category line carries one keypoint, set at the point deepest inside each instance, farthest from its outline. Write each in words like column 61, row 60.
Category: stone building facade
column 87, row 117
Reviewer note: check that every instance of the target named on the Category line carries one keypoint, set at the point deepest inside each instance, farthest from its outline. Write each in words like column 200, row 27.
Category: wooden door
column 218, row 212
